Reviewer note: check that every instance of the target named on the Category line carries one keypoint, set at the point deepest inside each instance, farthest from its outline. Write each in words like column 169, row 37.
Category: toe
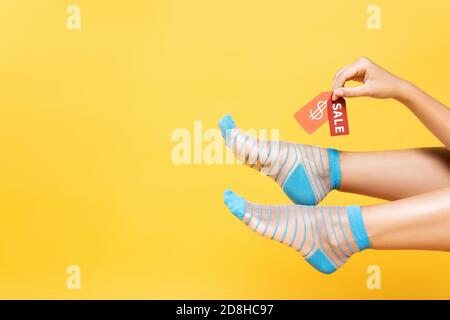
column 226, row 123
column 236, row 204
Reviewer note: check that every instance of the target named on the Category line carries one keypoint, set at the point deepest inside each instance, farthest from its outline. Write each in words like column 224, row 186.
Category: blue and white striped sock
column 325, row 236
column 305, row 173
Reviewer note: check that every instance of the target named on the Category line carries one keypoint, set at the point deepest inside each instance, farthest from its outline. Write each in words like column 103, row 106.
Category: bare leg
column 327, row 236
column 421, row 222
column 393, row 175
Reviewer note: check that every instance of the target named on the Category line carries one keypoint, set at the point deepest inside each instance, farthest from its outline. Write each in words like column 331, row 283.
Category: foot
column 305, row 173
column 325, row 236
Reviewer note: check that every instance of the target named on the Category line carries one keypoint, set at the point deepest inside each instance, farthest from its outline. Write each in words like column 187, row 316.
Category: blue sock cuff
column 335, row 168
column 357, row 225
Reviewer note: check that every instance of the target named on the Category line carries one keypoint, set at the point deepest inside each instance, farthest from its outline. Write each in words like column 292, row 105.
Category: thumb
column 351, row 92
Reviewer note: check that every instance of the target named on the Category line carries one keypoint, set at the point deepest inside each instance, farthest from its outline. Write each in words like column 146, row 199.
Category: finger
column 342, row 75
column 337, row 75
column 350, row 92
column 347, row 74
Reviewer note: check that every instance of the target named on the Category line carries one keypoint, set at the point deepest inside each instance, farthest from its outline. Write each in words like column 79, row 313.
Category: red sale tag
column 337, row 118
column 314, row 114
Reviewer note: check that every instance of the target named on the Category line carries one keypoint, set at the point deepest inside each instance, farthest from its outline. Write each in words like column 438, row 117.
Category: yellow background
column 86, row 118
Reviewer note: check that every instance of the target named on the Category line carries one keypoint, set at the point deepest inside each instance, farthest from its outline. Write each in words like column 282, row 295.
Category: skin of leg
column 418, row 223
column 393, row 175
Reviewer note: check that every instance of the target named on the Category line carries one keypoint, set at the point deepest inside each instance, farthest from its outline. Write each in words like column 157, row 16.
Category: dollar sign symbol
column 317, row 114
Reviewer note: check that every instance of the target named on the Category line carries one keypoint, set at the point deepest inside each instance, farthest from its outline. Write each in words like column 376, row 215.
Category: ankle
column 357, row 225
column 334, row 168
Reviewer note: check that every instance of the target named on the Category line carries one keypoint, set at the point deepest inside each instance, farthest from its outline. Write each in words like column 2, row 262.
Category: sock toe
column 236, row 204
column 226, row 123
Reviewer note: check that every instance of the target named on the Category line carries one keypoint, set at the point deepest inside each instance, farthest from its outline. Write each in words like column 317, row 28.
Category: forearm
column 432, row 113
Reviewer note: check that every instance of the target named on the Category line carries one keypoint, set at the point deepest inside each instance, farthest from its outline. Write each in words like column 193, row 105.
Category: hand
column 376, row 82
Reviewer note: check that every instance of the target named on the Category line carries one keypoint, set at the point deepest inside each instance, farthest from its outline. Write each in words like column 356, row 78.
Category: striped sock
column 325, row 236
column 305, row 173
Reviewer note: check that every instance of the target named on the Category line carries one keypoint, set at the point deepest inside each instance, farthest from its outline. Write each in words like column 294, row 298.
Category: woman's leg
column 393, row 175
column 308, row 173
column 327, row 236
column 420, row 222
